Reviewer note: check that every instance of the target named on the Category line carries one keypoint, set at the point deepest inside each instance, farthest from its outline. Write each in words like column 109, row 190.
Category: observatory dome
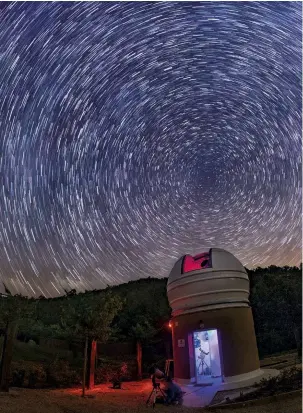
column 210, row 280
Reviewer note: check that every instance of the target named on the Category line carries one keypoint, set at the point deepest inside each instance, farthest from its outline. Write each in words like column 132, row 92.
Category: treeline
column 137, row 312
column 143, row 311
column 276, row 300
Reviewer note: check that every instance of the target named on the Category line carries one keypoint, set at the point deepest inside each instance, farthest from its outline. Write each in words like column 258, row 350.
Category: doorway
column 207, row 356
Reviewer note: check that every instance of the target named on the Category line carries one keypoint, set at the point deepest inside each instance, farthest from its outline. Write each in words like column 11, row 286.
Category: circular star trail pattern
column 133, row 133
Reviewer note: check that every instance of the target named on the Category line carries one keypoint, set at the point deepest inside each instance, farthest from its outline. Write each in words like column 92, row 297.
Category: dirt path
column 105, row 400
column 130, row 399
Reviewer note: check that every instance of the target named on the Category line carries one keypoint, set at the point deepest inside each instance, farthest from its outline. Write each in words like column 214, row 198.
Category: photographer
column 174, row 394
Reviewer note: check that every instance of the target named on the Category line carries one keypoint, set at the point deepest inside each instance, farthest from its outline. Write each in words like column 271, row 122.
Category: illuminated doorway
column 207, row 356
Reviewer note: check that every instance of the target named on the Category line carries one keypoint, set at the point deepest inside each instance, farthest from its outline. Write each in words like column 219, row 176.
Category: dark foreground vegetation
column 130, row 324
column 289, row 380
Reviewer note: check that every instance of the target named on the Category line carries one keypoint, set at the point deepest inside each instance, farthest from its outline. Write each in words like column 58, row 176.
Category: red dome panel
column 198, row 262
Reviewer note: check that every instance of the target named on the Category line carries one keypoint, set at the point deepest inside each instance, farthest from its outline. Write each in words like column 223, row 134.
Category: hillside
column 275, row 299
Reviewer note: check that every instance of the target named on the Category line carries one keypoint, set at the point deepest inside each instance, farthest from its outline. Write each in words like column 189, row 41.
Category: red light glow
column 198, row 262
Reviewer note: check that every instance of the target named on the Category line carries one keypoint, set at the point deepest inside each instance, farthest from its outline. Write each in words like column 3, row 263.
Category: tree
column 12, row 310
column 141, row 331
column 90, row 318
column 277, row 307
column 146, row 311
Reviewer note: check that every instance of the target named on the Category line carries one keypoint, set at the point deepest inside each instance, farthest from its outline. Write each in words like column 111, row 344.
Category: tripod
column 202, row 365
column 156, row 391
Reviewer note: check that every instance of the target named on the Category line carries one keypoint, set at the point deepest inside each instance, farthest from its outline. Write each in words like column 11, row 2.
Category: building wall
column 239, row 353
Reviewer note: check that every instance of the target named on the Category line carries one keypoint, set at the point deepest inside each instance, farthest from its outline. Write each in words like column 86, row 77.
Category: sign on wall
column 181, row 343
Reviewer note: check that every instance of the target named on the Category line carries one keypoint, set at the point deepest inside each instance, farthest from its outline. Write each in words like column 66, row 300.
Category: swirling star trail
column 132, row 133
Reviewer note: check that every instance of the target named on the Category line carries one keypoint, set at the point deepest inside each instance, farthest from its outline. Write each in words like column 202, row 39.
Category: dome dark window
column 195, row 263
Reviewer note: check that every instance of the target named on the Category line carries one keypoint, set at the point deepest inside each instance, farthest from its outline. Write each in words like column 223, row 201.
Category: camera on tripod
column 156, row 392
column 157, row 374
column 171, row 394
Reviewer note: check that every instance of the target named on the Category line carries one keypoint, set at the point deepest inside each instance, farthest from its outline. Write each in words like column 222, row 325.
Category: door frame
column 211, row 379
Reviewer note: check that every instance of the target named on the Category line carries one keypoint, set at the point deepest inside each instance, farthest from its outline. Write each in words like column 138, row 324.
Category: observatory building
column 213, row 331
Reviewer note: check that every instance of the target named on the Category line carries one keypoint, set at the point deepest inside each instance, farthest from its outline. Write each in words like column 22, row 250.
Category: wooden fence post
column 92, row 364
column 84, row 367
column 139, row 359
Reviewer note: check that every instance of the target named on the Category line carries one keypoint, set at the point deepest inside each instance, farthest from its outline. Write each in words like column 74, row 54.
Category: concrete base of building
column 202, row 395
column 233, row 381
column 249, row 379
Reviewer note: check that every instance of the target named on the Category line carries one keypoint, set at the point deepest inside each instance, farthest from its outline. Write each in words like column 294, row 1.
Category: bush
column 37, row 376
column 28, row 374
column 288, row 380
column 18, row 377
column 60, row 374
column 111, row 370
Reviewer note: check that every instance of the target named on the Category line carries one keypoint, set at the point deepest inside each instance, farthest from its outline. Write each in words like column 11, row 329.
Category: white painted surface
column 226, row 284
column 241, row 377
column 248, row 379
column 196, row 396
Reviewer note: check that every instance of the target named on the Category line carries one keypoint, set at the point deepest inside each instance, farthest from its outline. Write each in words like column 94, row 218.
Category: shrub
column 28, row 374
column 111, row 370
column 287, row 380
column 60, row 374
column 37, row 376
column 18, row 377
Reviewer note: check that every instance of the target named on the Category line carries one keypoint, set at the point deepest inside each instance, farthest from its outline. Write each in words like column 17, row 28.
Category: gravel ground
column 131, row 399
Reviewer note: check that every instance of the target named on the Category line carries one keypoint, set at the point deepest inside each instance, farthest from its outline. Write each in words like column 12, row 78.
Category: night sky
column 133, row 133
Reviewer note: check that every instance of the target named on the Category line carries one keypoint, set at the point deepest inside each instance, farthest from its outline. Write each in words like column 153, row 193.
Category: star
column 134, row 133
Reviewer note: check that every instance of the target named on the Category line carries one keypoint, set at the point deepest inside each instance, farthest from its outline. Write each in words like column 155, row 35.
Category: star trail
column 134, row 133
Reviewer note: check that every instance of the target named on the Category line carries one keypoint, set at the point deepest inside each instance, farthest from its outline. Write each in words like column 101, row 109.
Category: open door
column 207, row 356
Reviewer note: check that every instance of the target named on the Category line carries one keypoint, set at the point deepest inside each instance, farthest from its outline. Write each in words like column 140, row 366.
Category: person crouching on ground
column 174, row 394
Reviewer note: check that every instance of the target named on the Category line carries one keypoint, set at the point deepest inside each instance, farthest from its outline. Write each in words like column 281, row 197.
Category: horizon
column 65, row 292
